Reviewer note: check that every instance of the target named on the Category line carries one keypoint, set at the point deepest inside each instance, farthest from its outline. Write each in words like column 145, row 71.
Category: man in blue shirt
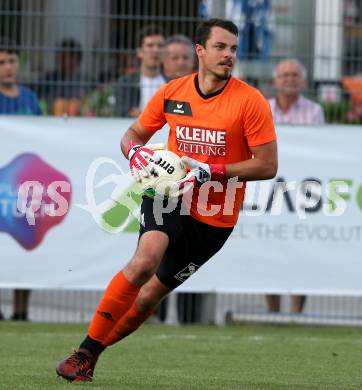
column 14, row 98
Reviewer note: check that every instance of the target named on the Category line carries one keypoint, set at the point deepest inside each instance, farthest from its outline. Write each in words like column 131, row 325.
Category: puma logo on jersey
column 176, row 107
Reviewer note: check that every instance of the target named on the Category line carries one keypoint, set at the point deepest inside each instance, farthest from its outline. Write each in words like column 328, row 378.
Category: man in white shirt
column 290, row 106
column 149, row 85
column 133, row 91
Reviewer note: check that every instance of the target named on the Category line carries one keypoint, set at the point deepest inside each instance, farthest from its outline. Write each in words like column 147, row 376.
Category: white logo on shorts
column 187, row 272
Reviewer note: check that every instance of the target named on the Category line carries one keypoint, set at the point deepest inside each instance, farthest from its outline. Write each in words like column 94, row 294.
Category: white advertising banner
column 69, row 208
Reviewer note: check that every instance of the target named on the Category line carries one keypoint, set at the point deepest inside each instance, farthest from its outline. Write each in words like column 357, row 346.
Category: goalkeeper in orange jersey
column 224, row 131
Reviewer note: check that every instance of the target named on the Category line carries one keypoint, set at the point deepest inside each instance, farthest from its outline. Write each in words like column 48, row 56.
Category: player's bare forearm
column 135, row 134
column 253, row 169
column 263, row 166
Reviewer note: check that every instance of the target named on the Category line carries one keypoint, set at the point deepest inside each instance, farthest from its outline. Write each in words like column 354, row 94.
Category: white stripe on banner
column 300, row 233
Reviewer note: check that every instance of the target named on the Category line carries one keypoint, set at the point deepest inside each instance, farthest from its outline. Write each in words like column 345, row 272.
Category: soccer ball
column 169, row 170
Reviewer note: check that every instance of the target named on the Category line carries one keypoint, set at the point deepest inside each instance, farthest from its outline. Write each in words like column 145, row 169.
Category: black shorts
column 192, row 243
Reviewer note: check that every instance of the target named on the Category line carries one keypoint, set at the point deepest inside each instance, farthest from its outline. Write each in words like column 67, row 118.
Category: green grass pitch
column 161, row 357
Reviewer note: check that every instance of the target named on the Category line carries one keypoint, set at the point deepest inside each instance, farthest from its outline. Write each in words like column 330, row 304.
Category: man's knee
column 143, row 267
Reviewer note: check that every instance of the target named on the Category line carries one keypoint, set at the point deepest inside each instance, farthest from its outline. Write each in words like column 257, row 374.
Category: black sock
column 93, row 346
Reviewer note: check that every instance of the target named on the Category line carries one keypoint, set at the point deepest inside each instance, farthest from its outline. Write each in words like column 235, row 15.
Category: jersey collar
column 210, row 95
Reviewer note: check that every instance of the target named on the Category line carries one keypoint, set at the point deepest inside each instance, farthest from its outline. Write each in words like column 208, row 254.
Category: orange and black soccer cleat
column 78, row 367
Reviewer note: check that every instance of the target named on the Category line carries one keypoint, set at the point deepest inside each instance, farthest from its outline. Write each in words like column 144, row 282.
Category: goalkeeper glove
column 141, row 160
column 204, row 172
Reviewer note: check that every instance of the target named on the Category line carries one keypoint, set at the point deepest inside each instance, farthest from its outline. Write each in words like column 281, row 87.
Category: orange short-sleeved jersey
column 217, row 128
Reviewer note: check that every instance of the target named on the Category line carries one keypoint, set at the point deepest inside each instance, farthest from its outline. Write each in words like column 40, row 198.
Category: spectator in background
column 133, row 91
column 291, row 107
column 64, row 87
column 15, row 100
column 179, row 57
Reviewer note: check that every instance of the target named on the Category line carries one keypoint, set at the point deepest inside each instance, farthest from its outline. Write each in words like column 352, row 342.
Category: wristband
column 131, row 149
column 218, row 172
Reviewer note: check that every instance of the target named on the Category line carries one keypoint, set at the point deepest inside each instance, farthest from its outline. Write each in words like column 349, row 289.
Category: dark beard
column 224, row 76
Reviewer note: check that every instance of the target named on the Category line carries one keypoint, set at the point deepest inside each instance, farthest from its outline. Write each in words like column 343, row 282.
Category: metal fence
column 100, row 38
column 186, row 308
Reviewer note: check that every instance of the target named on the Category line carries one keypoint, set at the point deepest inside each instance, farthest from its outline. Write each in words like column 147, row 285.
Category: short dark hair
column 70, row 45
column 8, row 45
column 148, row 31
column 204, row 28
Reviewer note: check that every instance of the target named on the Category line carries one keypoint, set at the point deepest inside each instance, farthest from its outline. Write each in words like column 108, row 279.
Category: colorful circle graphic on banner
column 34, row 197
